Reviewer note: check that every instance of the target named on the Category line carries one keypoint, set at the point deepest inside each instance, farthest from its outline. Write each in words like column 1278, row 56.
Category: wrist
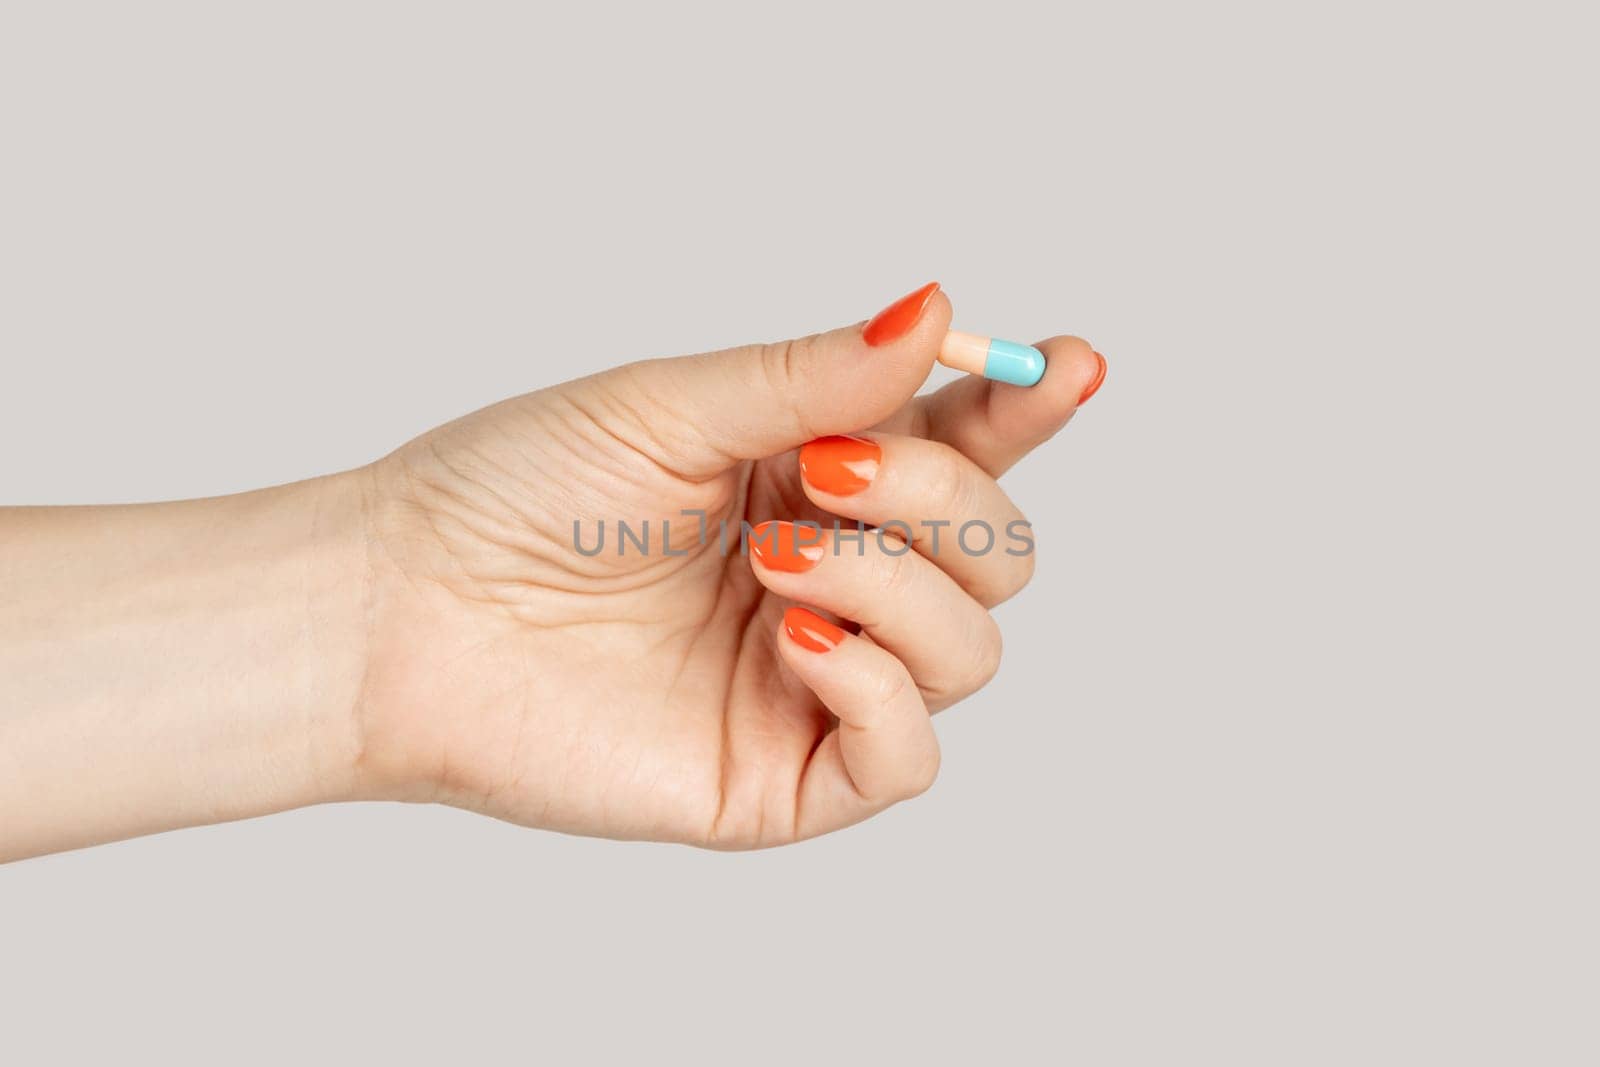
column 315, row 540
column 177, row 664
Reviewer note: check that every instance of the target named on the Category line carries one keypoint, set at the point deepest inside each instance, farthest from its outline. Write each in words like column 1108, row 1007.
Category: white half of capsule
column 964, row 352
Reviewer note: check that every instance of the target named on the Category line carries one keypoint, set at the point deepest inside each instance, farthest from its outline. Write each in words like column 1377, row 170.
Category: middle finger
column 933, row 496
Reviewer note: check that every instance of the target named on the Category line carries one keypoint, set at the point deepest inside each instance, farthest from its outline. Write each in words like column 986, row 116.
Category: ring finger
column 946, row 639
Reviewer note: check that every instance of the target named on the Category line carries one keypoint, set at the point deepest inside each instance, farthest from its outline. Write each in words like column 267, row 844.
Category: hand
column 670, row 697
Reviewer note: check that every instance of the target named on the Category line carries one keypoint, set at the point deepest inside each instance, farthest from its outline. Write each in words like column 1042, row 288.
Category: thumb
column 760, row 400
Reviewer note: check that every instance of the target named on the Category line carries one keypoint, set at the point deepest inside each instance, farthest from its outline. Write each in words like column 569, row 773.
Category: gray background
column 1292, row 759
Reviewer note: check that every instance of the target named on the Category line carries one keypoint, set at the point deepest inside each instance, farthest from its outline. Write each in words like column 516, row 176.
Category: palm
column 620, row 693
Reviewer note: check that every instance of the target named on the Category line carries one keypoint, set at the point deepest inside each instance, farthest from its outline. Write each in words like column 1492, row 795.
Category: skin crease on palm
column 655, row 696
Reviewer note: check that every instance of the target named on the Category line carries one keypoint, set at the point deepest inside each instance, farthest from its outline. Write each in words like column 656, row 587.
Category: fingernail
column 1094, row 386
column 783, row 546
column 842, row 466
column 896, row 320
column 811, row 631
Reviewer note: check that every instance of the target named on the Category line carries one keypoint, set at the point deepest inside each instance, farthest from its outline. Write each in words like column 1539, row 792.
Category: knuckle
column 732, row 831
column 1019, row 571
column 945, row 484
column 923, row 774
column 783, row 366
column 888, row 570
column 987, row 650
column 890, row 687
column 778, row 362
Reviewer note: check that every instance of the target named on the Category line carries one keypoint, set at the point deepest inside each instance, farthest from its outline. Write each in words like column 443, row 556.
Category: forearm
column 175, row 664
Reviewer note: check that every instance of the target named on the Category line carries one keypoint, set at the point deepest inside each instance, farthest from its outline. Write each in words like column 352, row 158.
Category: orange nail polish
column 1094, row 386
column 896, row 320
column 842, row 466
column 811, row 631
column 783, row 546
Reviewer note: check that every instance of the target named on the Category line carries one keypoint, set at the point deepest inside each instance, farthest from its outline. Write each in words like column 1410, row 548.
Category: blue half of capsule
column 1010, row 362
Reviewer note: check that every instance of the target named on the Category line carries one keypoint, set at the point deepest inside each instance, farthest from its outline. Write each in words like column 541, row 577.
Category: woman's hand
column 670, row 696
column 438, row 626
